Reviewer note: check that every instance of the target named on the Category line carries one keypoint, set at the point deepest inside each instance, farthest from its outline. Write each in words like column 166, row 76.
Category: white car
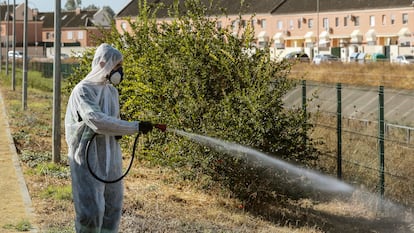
column 404, row 59
column 17, row 54
column 324, row 58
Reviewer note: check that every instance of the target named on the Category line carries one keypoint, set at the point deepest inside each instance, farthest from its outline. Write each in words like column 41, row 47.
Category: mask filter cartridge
column 116, row 76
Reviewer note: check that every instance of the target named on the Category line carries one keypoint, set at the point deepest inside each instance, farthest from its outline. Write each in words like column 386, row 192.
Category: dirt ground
column 157, row 200
column 14, row 200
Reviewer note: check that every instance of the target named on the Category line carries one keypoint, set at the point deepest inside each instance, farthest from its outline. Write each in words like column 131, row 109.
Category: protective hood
column 105, row 59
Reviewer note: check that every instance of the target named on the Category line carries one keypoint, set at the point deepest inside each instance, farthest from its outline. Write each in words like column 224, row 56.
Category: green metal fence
column 46, row 68
column 368, row 134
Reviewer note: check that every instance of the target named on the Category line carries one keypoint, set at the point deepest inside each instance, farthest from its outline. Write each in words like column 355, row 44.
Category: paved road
column 15, row 202
column 357, row 102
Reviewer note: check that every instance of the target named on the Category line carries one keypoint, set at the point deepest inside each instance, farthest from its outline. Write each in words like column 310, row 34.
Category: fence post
column 304, row 96
column 339, row 129
column 304, row 106
column 381, row 138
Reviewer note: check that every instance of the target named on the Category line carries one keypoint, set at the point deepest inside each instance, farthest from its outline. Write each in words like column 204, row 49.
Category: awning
column 324, row 35
column 387, row 35
column 294, row 38
column 404, row 32
column 278, row 38
column 262, row 36
column 339, row 36
column 309, row 37
column 356, row 36
column 324, row 38
column 371, row 36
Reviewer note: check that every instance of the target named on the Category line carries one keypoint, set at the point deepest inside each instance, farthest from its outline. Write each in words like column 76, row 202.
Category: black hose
column 121, row 177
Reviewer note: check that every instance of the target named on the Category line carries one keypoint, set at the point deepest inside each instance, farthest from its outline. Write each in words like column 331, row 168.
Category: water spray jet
column 316, row 179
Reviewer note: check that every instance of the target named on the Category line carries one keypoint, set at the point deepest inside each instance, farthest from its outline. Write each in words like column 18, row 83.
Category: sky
column 49, row 5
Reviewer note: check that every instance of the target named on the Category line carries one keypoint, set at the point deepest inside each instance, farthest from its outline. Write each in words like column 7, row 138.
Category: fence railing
column 46, row 68
column 363, row 122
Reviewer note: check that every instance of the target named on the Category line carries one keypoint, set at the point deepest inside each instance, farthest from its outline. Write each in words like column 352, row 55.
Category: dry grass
column 373, row 74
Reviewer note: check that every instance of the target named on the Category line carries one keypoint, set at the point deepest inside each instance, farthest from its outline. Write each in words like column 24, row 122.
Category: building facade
column 316, row 26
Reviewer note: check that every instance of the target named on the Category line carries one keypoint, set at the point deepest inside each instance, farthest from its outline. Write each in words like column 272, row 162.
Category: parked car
column 17, row 54
column 379, row 57
column 297, row 56
column 325, row 58
column 357, row 57
column 63, row 56
column 404, row 59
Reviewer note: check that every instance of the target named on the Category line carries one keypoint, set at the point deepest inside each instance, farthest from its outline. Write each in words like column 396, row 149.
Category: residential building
column 314, row 26
column 34, row 29
column 79, row 28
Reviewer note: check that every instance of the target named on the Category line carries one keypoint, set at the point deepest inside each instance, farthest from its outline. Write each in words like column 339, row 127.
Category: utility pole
column 24, row 80
column 56, row 86
column 7, row 43
column 1, row 42
column 14, row 45
column 317, row 26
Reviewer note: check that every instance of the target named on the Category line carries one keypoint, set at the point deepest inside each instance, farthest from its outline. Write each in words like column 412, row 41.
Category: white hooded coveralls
column 93, row 107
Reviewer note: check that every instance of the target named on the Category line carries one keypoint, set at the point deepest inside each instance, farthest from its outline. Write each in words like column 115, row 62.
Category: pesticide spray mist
column 317, row 180
column 310, row 178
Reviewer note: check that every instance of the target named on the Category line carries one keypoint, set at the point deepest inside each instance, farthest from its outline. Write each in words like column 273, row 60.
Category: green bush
column 196, row 77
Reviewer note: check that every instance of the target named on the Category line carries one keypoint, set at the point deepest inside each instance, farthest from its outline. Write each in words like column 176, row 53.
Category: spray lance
column 161, row 127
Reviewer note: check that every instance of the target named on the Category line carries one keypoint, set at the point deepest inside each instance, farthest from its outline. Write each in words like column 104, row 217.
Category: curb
column 19, row 173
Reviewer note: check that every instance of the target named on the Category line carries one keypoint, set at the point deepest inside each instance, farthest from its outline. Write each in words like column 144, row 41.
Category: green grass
column 34, row 80
column 62, row 193
column 22, row 225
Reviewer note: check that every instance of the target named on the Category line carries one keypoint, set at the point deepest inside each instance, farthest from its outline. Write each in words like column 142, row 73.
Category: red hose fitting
column 162, row 127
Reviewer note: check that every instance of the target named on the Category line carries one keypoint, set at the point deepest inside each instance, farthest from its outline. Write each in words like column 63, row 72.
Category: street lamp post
column 7, row 42
column 24, row 78
column 56, row 87
column 317, row 26
column 1, row 40
column 14, row 45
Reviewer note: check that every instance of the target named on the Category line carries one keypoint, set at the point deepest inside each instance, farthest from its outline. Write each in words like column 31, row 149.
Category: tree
column 196, row 77
column 72, row 4
column 109, row 10
column 91, row 7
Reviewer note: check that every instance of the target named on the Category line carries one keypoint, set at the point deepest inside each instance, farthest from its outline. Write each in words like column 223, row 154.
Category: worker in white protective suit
column 93, row 108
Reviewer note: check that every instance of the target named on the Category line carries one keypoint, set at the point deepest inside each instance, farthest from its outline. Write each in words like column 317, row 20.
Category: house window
column 371, row 20
column 356, row 20
column 243, row 23
column 405, row 18
column 219, row 25
column 336, row 21
column 392, row 19
column 325, row 23
column 80, row 35
column 345, row 21
column 291, row 24
column 280, row 25
column 70, row 35
column 384, row 19
column 310, row 23
column 299, row 23
column 263, row 23
column 124, row 26
column 50, row 35
column 234, row 24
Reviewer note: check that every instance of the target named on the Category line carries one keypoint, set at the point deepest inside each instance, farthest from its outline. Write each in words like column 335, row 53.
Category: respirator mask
column 116, row 76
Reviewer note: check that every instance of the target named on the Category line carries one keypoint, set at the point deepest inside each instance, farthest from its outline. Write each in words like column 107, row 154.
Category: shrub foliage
column 199, row 78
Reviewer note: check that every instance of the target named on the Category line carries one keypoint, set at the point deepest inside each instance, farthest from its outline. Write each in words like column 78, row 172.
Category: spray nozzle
column 162, row 127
